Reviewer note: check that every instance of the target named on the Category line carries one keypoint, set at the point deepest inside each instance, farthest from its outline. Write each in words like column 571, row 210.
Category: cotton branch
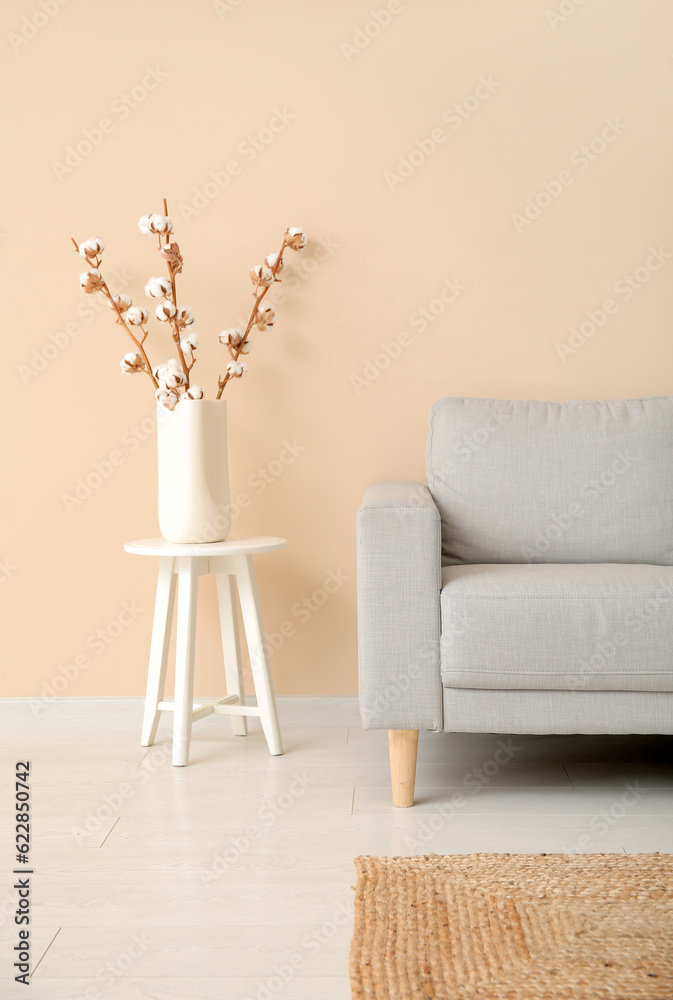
column 139, row 343
column 236, row 352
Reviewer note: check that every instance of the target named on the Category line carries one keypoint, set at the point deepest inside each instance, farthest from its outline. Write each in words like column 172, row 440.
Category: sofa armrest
column 399, row 584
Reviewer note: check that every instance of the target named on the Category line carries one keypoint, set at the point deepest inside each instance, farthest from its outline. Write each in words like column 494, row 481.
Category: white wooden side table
column 230, row 562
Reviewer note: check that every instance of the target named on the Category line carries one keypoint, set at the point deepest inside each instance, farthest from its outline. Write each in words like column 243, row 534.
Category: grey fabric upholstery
column 605, row 627
column 399, row 581
column 554, row 522
column 469, row 711
column 529, row 482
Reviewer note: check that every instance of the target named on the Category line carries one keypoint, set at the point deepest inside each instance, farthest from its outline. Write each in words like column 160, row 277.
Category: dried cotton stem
column 174, row 323
column 221, row 382
column 139, row 343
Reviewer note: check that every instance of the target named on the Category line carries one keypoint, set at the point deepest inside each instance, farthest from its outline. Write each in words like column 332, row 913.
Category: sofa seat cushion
column 592, row 627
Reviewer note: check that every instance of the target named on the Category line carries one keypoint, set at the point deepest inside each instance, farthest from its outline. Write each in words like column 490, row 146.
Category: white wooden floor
column 231, row 879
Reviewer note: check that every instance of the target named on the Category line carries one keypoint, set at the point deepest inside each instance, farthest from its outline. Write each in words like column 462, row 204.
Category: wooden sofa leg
column 403, row 747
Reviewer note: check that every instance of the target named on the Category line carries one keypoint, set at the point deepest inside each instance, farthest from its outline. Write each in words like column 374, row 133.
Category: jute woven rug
column 514, row 927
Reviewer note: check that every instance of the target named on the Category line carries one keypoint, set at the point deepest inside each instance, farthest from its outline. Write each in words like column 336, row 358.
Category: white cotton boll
column 270, row 262
column 157, row 372
column 175, row 369
column 169, row 378
column 91, row 281
column 261, row 275
column 185, row 316
column 144, row 224
column 122, row 302
column 266, row 313
column 195, row 392
column 132, row 363
column 165, row 311
column 171, row 253
column 170, row 375
column 190, row 342
column 92, row 247
column 160, row 223
column 136, row 315
column 247, row 347
column 237, row 368
column 157, row 288
column 265, row 316
column 233, row 336
column 167, row 399
column 295, row 238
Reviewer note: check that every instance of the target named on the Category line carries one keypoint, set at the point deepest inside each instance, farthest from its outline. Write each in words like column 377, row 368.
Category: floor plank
column 186, row 988
column 314, row 949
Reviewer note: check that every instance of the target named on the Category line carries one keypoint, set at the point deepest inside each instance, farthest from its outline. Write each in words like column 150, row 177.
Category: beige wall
column 517, row 90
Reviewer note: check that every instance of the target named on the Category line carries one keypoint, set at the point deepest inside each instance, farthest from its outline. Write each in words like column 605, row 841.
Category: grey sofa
column 528, row 588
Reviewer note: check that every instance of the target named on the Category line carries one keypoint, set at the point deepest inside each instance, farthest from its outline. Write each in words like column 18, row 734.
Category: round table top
column 160, row 547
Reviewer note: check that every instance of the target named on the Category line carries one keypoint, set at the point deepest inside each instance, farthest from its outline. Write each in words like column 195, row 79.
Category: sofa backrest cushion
column 521, row 481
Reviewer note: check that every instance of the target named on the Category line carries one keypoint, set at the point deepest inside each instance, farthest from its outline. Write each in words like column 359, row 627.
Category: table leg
column 254, row 632
column 161, row 630
column 188, row 580
column 231, row 648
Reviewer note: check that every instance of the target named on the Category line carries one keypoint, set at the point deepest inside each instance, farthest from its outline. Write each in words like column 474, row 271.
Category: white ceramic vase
column 194, row 502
